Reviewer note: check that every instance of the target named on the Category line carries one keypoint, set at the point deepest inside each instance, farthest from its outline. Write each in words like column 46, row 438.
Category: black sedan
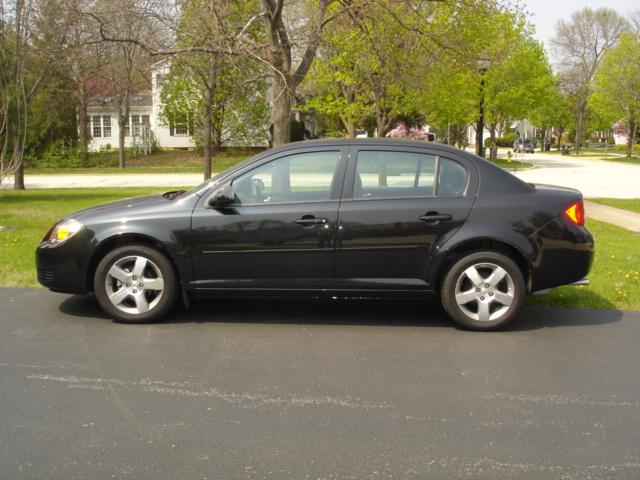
column 339, row 218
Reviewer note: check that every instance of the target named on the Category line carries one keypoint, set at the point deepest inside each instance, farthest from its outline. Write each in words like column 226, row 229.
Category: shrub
column 505, row 141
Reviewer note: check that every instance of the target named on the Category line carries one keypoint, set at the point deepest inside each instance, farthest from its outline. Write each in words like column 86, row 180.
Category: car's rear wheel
column 135, row 284
column 483, row 291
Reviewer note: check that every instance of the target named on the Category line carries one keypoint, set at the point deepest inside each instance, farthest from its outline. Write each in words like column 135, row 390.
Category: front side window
column 302, row 177
column 385, row 174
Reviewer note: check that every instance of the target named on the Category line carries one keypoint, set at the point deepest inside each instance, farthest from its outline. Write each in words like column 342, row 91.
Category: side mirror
column 223, row 197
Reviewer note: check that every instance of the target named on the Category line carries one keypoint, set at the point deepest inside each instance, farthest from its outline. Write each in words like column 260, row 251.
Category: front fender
column 171, row 235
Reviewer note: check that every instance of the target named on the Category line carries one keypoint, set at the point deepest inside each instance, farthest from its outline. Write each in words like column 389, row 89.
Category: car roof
column 369, row 142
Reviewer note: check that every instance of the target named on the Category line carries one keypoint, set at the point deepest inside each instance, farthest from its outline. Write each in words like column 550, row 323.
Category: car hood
column 133, row 205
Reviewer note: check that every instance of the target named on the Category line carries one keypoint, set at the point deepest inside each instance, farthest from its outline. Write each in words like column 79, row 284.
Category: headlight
column 64, row 230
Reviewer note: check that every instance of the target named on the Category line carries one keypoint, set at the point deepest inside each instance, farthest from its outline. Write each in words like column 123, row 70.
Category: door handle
column 310, row 220
column 434, row 217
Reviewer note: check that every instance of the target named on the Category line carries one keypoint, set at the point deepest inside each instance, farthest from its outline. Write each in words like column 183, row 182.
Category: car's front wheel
column 483, row 291
column 135, row 284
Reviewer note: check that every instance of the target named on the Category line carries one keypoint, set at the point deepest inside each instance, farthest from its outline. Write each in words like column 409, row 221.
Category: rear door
column 398, row 204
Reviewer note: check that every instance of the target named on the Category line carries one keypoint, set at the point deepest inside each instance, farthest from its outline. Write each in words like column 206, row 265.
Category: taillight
column 575, row 212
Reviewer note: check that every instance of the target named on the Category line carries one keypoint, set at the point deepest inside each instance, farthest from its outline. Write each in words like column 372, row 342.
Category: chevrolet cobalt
column 345, row 218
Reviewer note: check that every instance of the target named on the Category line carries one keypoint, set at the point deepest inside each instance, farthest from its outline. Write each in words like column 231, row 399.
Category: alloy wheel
column 134, row 284
column 484, row 292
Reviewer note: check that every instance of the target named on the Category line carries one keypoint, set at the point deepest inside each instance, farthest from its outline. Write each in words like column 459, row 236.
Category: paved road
column 334, row 390
column 594, row 178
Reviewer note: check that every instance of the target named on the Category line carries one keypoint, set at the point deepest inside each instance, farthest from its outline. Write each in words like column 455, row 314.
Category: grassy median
column 631, row 204
column 26, row 216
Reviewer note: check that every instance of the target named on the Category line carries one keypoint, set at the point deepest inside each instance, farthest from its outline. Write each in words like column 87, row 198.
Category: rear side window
column 452, row 178
column 394, row 174
column 387, row 174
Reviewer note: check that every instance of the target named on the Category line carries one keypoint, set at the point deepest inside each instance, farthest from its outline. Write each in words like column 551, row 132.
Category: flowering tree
column 413, row 133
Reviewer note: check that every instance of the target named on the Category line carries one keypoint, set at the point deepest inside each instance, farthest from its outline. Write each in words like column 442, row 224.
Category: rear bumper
column 564, row 260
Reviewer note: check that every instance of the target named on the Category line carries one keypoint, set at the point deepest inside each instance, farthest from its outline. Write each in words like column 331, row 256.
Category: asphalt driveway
column 314, row 389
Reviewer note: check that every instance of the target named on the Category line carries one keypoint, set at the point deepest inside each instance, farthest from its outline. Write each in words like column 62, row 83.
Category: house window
column 96, row 130
column 135, row 125
column 146, row 121
column 106, row 126
column 181, row 125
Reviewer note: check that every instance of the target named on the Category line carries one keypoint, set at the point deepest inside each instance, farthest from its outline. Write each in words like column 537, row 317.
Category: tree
column 31, row 37
column 616, row 89
column 370, row 65
column 552, row 113
column 580, row 45
column 84, row 55
column 226, row 92
column 124, row 64
column 516, row 86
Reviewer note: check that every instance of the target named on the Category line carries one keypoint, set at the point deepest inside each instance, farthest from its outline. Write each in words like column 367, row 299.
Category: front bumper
column 64, row 267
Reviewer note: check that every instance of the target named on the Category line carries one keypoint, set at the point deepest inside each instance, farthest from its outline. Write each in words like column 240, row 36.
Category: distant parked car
column 525, row 146
column 350, row 218
column 362, row 134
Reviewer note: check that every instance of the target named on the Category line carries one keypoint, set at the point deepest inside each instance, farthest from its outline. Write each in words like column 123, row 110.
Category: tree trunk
column 632, row 137
column 560, row 132
column 579, row 115
column 382, row 123
column 206, row 133
column 281, row 111
column 350, row 126
column 18, row 176
column 122, row 122
column 83, row 134
column 493, row 155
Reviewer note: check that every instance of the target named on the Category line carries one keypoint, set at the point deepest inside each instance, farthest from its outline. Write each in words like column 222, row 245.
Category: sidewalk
column 616, row 216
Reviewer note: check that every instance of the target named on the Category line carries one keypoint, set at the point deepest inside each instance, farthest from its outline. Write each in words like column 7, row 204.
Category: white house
column 144, row 119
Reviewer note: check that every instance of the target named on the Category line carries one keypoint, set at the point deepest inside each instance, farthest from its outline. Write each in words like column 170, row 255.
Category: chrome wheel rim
column 485, row 292
column 134, row 285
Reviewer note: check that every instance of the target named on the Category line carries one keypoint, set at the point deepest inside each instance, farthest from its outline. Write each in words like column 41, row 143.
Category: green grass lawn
column 632, row 204
column 512, row 165
column 163, row 161
column 622, row 159
column 611, row 155
column 27, row 215
column 615, row 275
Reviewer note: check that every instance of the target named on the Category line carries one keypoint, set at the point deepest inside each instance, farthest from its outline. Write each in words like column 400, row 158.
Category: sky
column 545, row 13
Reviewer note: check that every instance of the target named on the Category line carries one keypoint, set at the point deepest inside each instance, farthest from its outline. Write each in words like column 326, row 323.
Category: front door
column 280, row 231
column 398, row 205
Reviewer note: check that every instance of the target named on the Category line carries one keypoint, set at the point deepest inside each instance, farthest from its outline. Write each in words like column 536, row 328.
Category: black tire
column 156, row 261
column 511, row 286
